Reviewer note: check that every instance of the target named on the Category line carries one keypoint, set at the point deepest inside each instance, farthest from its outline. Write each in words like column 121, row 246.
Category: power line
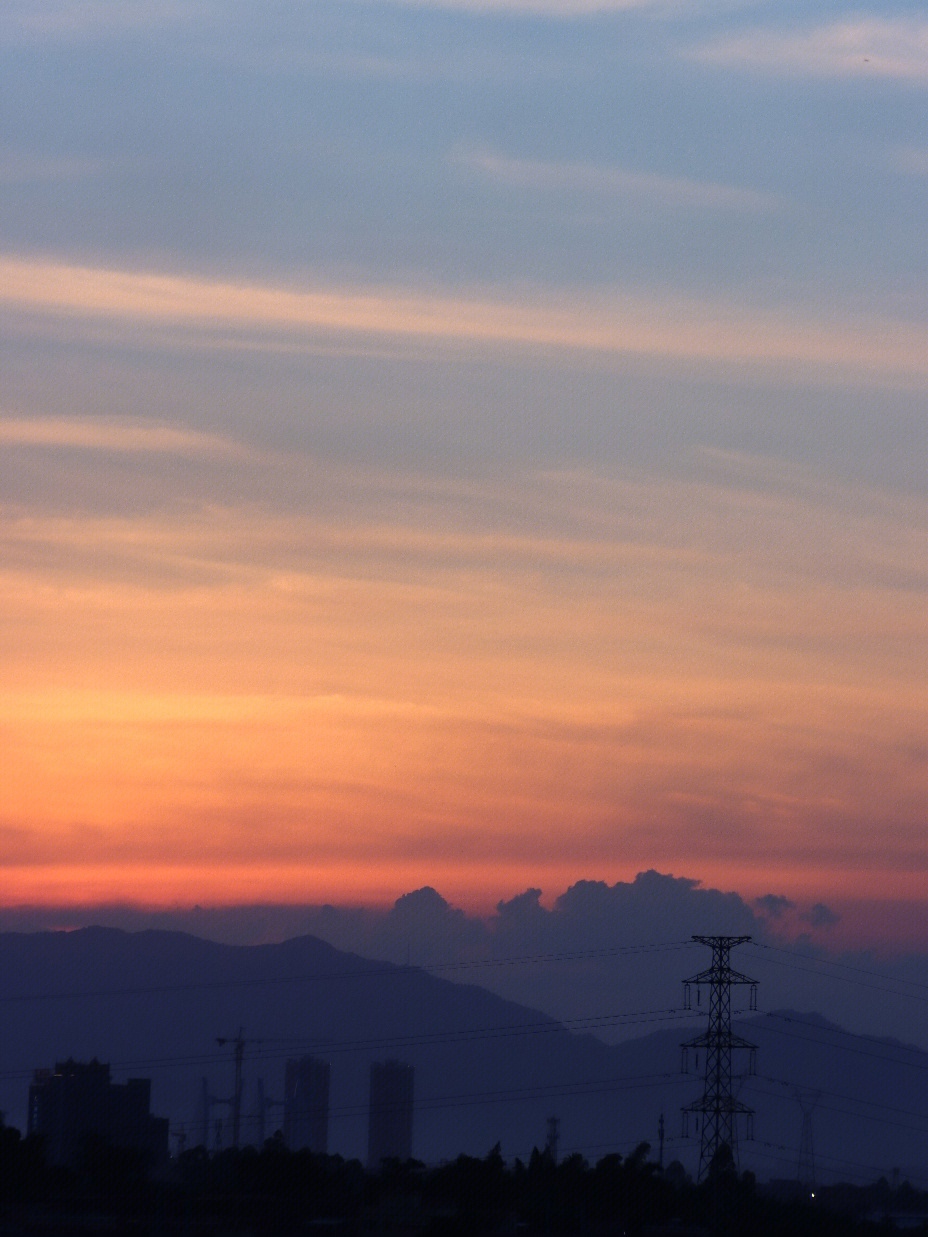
column 596, row 1086
column 521, row 1095
column 424, row 1039
column 848, row 979
column 882, row 1056
column 853, row 1099
column 284, row 1047
column 549, row 1025
column 831, row 1159
column 846, row 966
column 873, row 1171
column 382, row 970
column 862, row 1116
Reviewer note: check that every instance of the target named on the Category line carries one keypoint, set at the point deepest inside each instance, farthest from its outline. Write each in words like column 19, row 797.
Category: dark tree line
column 277, row 1191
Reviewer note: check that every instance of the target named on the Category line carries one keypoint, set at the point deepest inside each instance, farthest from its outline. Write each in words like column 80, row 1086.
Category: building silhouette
column 76, row 1103
column 306, row 1104
column 389, row 1134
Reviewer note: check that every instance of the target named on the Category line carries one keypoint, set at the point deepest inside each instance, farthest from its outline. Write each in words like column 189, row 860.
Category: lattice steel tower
column 717, row 1109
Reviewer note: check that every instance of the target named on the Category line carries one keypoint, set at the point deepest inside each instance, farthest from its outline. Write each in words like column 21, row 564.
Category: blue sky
column 756, row 157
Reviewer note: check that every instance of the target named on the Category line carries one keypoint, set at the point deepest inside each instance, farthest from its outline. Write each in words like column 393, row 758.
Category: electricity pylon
column 718, row 1109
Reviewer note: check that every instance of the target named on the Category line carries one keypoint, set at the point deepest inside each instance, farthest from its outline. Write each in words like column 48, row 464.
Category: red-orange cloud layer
column 263, row 701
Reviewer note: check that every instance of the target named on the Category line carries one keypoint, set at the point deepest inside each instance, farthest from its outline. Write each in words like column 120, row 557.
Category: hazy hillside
column 487, row 1070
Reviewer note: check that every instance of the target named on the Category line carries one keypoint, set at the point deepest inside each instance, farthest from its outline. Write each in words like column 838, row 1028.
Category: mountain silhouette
column 487, row 1070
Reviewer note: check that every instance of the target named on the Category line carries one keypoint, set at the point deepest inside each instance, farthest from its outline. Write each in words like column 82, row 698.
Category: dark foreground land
column 274, row 1191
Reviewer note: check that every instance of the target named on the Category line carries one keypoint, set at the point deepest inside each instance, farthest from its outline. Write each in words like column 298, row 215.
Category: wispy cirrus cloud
column 541, row 8
column 618, row 323
column 860, row 46
column 70, row 19
column 647, row 187
column 910, row 159
column 124, row 437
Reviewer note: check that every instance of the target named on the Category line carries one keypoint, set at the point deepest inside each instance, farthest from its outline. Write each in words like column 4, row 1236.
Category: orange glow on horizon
column 255, row 702
column 475, row 888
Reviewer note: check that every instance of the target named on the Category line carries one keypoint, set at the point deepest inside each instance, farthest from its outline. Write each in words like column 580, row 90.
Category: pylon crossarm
column 722, row 942
column 701, row 1041
column 727, row 1105
column 704, row 977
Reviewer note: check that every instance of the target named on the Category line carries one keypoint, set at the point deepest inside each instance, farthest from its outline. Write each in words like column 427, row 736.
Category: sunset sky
column 475, row 442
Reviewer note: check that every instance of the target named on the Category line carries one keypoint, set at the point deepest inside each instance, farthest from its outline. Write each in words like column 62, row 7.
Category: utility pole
column 805, row 1167
column 238, row 1044
column 717, row 1110
column 660, row 1143
column 554, row 1133
column 263, row 1105
column 204, row 1112
column 261, row 1113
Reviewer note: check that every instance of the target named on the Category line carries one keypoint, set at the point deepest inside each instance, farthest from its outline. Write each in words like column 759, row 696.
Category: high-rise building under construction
column 389, row 1135
column 306, row 1104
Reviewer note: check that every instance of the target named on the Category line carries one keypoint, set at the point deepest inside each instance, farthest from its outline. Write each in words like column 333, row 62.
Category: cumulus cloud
column 821, row 916
column 774, row 905
column 614, row 954
column 593, row 951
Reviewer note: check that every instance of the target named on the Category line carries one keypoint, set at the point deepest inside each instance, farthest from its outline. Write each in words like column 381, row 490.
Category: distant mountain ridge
column 154, row 1003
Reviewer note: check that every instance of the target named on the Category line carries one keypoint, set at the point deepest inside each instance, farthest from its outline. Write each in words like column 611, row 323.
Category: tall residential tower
column 306, row 1104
